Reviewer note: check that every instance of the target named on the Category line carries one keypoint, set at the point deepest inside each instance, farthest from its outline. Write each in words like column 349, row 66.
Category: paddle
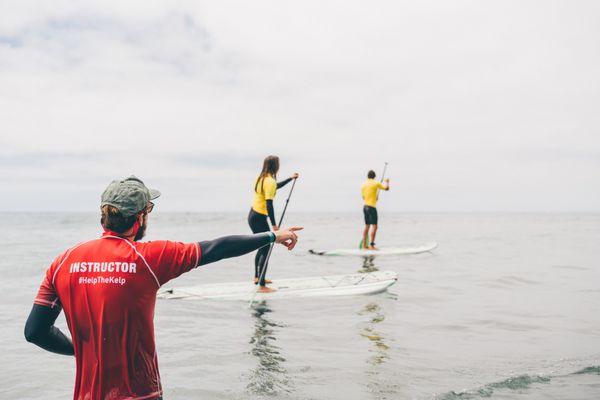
column 360, row 244
column 264, row 269
column 382, row 176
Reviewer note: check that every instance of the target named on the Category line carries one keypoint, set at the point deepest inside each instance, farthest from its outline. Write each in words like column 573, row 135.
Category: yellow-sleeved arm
column 380, row 185
column 270, row 187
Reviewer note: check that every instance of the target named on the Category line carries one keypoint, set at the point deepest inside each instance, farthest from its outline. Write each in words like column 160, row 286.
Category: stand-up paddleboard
column 421, row 248
column 335, row 285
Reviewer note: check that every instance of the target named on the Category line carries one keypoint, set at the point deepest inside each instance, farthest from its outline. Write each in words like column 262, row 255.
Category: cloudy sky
column 476, row 105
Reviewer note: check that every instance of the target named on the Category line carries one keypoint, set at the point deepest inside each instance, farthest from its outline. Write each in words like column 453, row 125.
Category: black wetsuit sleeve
column 283, row 183
column 271, row 212
column 40, row 330
column 233, row 246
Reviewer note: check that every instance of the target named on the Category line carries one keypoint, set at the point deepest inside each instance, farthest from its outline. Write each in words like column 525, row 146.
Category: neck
column 131, row 232
column 130, row 237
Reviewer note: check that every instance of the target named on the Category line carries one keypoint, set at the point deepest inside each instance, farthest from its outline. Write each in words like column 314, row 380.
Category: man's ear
column 140, row 218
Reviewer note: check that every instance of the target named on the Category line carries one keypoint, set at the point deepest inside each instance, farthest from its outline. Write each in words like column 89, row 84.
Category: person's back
column 107, row 289
column 264, row 189
column 369, row 191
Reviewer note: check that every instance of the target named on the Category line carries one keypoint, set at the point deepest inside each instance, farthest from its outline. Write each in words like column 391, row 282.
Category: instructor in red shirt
column 107, row 289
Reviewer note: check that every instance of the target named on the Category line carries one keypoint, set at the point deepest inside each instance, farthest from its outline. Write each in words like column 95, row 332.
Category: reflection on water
column 375, row 314
column 370, row 331
column 270, row 376
column 368, row 264
column 378, row 383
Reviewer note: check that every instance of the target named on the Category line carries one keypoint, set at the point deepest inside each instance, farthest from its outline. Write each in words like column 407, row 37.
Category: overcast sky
column 477, row 105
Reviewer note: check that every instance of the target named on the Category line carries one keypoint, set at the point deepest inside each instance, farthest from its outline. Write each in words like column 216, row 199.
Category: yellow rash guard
column 265, row 190
column 369, row 191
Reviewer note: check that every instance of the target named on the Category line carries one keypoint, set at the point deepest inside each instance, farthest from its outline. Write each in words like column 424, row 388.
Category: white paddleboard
column 420, row 248
column 334, row 285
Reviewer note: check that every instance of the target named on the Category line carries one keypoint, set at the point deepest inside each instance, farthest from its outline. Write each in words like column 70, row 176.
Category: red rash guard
column 107, row 288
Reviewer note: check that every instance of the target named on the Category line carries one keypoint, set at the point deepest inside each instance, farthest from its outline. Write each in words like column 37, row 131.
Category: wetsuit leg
column 262, row 260
column 258, row 223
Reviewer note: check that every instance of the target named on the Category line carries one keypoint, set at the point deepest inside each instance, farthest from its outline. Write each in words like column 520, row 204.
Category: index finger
column 295, row 228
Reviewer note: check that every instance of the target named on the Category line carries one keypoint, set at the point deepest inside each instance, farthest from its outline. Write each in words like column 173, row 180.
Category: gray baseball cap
column 129, row 196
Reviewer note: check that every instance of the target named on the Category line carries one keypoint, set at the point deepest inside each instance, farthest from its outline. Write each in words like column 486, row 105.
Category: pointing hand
column 287, row 236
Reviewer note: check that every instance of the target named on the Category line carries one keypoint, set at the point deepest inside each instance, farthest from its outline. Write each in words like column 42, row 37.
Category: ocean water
column 507, row 307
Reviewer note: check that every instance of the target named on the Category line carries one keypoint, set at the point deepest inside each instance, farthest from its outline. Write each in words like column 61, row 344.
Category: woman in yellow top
column 265, row 188
column 370, row 191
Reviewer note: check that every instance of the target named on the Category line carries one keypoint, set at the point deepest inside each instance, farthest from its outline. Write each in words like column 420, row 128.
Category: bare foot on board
column 266, row 281
column 264, row 289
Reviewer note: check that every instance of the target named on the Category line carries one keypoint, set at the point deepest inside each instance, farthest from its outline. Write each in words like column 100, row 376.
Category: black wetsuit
column 40, row 328
column 258, row 223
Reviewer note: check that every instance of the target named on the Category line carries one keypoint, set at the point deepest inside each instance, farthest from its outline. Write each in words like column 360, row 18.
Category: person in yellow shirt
column 265, row 188
column 370, row 193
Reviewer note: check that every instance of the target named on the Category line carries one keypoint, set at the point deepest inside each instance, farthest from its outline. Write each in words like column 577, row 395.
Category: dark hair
column 371, row 174
column 112, row 219
column 270, row 167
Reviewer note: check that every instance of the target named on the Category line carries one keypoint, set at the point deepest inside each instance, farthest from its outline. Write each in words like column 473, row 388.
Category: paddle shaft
column 286, row 203
column 383, row 173
column 382, row 176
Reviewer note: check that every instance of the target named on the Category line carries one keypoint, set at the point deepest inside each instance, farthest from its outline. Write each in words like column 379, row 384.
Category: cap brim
column 154, row 194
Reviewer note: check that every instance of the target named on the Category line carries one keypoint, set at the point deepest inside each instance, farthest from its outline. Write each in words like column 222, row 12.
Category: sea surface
column 507, row 307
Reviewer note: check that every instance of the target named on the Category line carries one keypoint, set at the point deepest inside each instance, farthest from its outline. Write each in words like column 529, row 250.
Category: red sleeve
column 47, row 295
column 168, row 259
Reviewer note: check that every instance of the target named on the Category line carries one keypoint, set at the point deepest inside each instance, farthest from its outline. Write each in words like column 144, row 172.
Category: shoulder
column 269, row 180
column 161, row 248
column 61, row 258
column 154, row 246
column 161, row 253
column 64, row 256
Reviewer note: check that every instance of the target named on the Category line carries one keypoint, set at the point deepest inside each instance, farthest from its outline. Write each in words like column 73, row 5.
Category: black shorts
column 370, row 215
